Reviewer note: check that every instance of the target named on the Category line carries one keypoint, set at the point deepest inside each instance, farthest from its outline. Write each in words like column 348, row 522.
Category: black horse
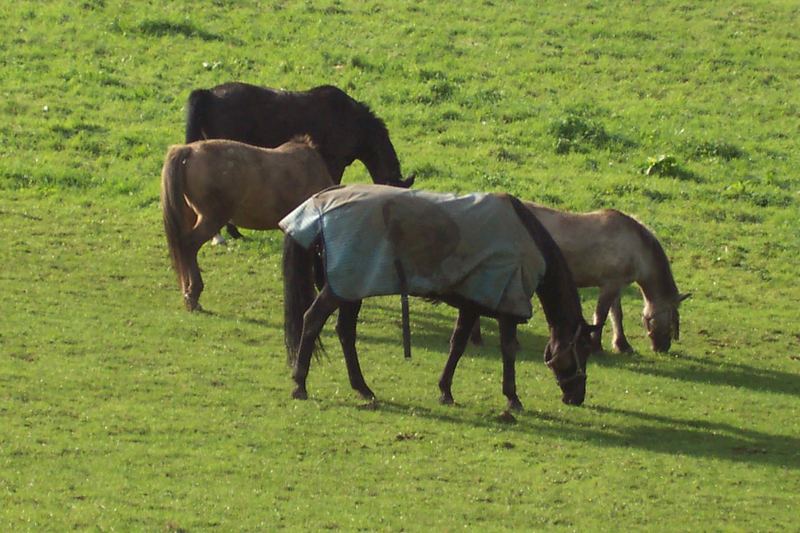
column 342, row 128
column 306, row 312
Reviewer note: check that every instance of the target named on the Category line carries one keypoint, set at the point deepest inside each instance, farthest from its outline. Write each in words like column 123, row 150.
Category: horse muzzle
column 574, row 392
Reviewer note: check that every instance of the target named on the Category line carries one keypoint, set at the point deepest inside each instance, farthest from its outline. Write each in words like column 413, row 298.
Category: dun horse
column 483, row 254
column 610, row 250
column 343, row 128
column 208, row 183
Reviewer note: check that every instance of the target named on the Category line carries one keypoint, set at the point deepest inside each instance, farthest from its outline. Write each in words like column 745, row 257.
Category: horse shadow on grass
column 689, row 368
column 647, row 431
column 650, row 432
column 261, row 322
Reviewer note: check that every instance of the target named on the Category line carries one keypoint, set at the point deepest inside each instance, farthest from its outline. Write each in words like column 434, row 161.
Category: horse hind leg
column 313, row 320
column 620, row 343
column 509, row 347
column 346, row 330
column 203, row 231
column 188, row 222
column 475, row 336
column 458, row 343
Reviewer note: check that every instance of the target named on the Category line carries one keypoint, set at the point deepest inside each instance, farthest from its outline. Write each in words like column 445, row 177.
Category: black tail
column 298, row 293
column 196, row 113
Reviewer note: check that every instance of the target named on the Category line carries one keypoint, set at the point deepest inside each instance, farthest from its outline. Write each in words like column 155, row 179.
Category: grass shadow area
column 650, row 432
column 161, row 28
column 721, row 373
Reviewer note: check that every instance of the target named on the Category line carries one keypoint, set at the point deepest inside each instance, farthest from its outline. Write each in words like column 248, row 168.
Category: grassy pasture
column 119, row 410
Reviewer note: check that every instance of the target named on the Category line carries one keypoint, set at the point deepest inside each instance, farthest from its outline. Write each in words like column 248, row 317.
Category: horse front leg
column 458, row 343
column 313, row 320
column 509, row 347
column 607, row 296
column 346, row 329
column 621, row 344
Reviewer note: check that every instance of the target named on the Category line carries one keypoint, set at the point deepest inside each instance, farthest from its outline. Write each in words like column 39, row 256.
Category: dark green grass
column 119, row 410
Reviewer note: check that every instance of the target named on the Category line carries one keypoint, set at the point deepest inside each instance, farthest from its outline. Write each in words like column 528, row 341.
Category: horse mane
column 342, row 101
column 557, row 279
column 665, row 284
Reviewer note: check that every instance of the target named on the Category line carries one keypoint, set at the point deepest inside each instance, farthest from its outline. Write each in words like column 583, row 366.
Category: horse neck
column 655, row 280
column 559, row 298
column 556, row 290
column 379, row 156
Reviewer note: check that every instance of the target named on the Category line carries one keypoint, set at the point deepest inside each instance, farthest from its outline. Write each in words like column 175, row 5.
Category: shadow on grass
column 233, row 318
column 714, row 372
column 654, row 433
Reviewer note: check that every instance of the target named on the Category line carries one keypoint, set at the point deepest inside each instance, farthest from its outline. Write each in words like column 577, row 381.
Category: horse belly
column 264, row 208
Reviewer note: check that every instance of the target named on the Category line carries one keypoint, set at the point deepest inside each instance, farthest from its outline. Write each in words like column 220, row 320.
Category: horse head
column 377, row 152
column 566, row 357
column 662, row 321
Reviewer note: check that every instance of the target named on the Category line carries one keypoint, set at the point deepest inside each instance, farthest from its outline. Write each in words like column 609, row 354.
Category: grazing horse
column 483, row 254
column 342, row 128
column 610, row 250
column 207, row 183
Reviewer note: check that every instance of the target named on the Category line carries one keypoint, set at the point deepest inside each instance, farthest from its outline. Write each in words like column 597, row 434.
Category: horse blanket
column 473, row 246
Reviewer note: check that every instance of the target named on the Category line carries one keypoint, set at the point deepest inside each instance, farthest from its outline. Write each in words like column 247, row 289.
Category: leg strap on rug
column 401, row 275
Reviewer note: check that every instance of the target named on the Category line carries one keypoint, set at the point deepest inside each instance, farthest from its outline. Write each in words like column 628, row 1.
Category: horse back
column 267, row 117
column 602, row 247
column 255, row 187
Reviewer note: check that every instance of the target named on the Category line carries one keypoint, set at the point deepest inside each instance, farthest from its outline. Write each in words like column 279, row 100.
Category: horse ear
column 682, row 297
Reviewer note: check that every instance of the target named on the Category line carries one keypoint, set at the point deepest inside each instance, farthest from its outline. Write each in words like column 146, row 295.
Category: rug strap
column 401, row 275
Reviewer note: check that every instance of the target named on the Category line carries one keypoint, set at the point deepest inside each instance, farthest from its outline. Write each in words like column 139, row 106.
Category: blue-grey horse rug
column 474, row 246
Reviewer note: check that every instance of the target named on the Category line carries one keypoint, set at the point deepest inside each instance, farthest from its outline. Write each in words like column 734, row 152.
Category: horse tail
column 298, row 293
column 196, row 115
column 173, row 203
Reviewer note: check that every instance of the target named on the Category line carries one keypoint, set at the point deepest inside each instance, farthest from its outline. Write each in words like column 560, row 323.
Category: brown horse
column 343, row 128
column 610, row 250
column 383, row 240
column 208, row 183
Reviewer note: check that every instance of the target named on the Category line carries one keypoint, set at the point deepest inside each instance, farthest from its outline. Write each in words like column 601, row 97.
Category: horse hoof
column 218, row 240
column 300, row 394
column 446, row 399
column 623, row 347
column 371, row 405
column 515, row 405
column 367, row 394
column 506, row 418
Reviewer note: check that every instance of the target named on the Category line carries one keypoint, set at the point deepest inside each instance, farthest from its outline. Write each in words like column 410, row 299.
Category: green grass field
column 121, row 411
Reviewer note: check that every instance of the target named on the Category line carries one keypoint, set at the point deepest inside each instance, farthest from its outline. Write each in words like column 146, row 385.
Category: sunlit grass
column 119, row 410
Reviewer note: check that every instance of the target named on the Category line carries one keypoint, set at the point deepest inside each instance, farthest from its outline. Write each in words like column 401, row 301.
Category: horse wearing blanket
column 483, row 254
